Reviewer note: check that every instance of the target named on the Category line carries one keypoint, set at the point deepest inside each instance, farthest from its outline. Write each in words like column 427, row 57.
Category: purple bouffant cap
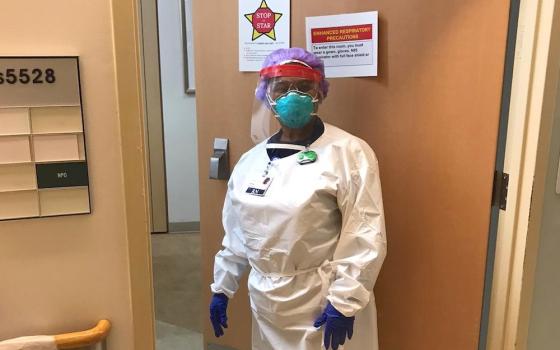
column 294, row 53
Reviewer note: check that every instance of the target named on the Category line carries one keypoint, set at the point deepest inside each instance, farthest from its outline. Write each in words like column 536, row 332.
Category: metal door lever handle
column 219, row 161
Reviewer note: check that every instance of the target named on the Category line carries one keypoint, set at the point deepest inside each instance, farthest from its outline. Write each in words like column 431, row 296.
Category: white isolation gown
column 317, row 234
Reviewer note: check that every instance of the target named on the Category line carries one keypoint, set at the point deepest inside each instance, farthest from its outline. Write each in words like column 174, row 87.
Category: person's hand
column 337, row 327
column 218, row 316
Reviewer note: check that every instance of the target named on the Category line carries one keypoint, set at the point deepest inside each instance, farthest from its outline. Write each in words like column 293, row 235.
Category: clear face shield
column 288, row 95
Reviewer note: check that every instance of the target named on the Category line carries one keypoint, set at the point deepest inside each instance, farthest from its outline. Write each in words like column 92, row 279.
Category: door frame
column 497, row 201
column 535, row 76
column 131, row 111
column 154, row 128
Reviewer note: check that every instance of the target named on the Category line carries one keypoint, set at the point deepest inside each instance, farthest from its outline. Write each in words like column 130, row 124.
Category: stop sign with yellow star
column 263, row 21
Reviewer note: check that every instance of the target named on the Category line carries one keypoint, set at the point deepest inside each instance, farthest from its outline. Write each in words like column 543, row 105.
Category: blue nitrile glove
column 337, row 328
column 218, row 316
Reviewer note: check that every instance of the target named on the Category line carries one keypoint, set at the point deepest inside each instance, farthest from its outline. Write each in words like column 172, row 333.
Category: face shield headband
column 291, row 70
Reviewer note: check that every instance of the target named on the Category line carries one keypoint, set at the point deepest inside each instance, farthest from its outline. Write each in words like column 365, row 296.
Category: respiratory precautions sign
column 347, row 43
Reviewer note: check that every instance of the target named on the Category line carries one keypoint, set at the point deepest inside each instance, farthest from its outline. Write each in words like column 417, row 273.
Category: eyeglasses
column 278, row 87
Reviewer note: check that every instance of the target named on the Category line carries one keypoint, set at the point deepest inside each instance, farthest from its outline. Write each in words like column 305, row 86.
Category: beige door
column 432, row 118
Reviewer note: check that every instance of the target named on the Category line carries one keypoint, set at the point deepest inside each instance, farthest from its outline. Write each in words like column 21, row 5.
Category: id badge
column 259, row 186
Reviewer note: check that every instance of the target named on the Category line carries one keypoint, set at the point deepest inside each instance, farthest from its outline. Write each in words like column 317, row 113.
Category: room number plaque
column 43, row 165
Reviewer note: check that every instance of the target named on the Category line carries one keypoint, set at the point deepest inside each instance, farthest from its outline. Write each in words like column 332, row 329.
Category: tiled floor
column 171, row 337
column 179, row 313
column 176, row 267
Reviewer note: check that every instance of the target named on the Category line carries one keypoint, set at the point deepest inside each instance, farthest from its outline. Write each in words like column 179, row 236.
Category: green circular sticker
column 306, row 157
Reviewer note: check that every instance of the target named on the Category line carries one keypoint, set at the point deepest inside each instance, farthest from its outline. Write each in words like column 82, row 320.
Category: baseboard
column 191, row 226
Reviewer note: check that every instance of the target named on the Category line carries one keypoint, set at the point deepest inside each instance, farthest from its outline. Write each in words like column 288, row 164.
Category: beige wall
column 520, row 271
column 545, row 311
column 541, row 303
column 63, row 274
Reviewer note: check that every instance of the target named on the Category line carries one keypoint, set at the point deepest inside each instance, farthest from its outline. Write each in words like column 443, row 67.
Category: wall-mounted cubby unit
column 43, row 164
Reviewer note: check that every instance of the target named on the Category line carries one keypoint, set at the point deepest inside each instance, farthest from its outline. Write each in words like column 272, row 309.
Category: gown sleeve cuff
column 349, row 306
column 218, row 290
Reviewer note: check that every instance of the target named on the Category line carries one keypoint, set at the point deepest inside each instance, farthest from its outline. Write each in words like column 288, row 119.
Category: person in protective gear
column 304, row 211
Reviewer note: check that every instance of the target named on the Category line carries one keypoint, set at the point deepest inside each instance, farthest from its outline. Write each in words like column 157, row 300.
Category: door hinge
column 500, row 192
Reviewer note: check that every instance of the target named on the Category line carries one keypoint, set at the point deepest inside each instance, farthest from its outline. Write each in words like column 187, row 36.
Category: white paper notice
column 264, row 26
column 347, row 43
